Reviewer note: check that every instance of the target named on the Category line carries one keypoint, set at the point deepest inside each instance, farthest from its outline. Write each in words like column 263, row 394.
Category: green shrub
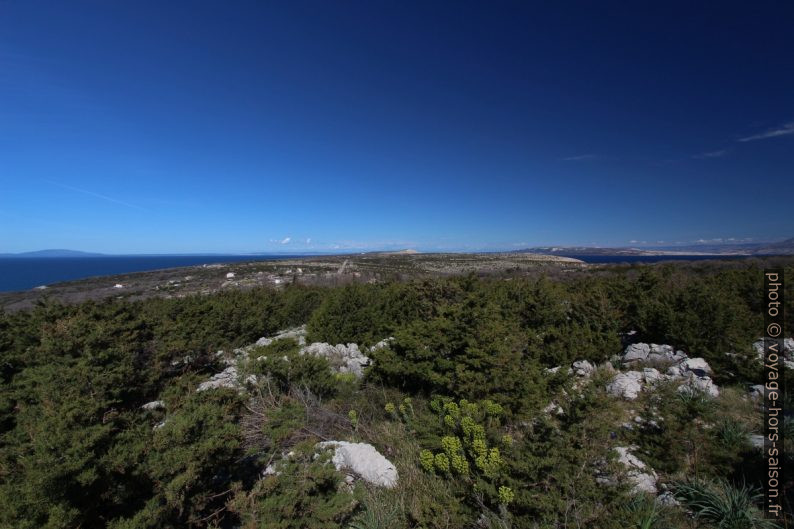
column 307, row 492
column 281, row 363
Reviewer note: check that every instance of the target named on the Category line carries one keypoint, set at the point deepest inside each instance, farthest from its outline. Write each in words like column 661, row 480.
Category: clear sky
column 168, row 127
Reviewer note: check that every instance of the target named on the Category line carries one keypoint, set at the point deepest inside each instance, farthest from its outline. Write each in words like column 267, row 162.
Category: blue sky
column 175, row 127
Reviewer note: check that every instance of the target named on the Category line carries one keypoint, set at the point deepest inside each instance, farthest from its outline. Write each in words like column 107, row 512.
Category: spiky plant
column 731, row 433
column 695, row 402
column 724, row 505
column 645, row 511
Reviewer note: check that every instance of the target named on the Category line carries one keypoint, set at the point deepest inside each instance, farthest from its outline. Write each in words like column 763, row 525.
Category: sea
column 23, row 273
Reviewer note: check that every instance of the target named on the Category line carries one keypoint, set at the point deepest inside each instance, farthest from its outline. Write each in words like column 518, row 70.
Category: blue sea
column 23, row 273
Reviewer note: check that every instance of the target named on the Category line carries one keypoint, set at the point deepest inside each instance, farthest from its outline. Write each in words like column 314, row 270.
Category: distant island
column 54, row 253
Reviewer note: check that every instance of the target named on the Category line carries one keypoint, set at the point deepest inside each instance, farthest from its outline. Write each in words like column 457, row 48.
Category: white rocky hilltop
column 692, row 373
column 343, row 358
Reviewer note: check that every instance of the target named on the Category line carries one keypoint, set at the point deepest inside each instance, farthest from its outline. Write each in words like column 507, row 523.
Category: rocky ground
column 642, row 369
column 357, row 460
column 323, row 270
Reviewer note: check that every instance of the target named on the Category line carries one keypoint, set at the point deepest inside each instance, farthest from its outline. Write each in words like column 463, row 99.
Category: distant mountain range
column 53, row 253
column 775, row 248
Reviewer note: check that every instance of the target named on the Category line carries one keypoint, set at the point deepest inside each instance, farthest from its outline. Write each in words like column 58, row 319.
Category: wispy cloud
column 285, row 240
column 783, row 130
column 581, row 157
column 711, row 154
column 96, row 195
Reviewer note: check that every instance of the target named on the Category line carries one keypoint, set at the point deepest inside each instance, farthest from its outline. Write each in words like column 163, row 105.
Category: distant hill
column 407, row 251
column 785, row 247
column 52, row 253
column 777, row 248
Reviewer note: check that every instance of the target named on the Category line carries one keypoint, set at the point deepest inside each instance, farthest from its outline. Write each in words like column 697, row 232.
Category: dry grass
column 735, row 404
column 416, row 490
column 314, row 420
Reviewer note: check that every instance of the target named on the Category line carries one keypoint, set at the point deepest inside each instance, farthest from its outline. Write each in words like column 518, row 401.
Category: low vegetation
column 455, row 401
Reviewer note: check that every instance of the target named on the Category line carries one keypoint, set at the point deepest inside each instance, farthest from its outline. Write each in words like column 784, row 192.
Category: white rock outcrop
column 696, row 384
column 627, row 385
column 583, row 368
column 662, row 350
column 635, row 352
column 651, row 353
column 342, row 358
column 555, row 408
column 652, row 375
column 667, row 499
column 362, row 460
column 382, row 344
column 642, row 477
column 698, row 366
column 694, row 373
column 228, row 378
column 298, row 334
column 788, row 351
column 153, row 405
column 757, row 392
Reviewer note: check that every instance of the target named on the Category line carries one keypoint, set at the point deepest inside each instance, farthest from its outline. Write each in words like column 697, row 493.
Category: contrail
column 97, row 195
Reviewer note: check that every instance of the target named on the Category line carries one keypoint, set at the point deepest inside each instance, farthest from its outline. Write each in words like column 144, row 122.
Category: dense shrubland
column 455, row 402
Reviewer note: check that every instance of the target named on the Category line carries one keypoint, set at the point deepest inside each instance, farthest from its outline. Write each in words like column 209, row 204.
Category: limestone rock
column 153, row 405
column 636, row 351
column 757, row 392
column 555, row 408
column 698, row 366
column 627, row 385
column 641, row 476
column 652, row 375
column 788, row 351
column 364, row 461
column 343, row 358
column 228, row 378
column 382, row 344
column 667, row 499
column 695, row 383
column 583, row 368
column 664, row 350
column 298, row 334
